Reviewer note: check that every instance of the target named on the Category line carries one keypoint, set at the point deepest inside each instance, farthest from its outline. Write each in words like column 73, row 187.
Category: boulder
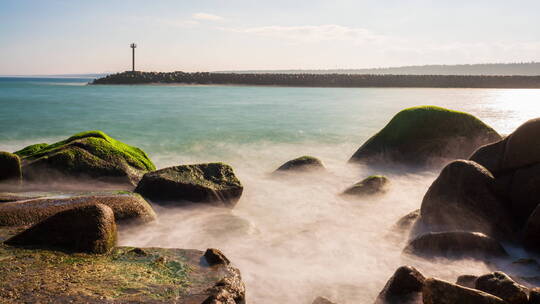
column 10, row 168
column 531, row 234
column 407, row 221
column 467, row 280
column 534, row 296
column 303, row 163
column 491, row 156
column 461, row 198
column 456, row 244
column 523, row 146
column 89, row 229
column 212, row 182
column 441, row 292
column 502, row 286
column 426, row 135
column 322, row 300
column 372, row 185
column 403, row 287
column 126, row 208
column 215, row 257
column 525, row 192
column 91, row 155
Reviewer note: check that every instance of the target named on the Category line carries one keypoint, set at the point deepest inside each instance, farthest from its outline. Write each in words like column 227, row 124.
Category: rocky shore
column 322, row 80
column 61, row 206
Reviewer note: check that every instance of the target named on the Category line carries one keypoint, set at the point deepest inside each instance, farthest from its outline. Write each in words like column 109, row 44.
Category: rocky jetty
column 90, row 156
column 425, row 136
column 199, row 183
column 323, row 80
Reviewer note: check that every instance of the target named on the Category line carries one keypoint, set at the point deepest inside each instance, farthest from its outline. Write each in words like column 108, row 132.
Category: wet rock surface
column 200, row 183
column 404, row 286
column 90, row 229
column 502, row 286
column 301, row 164
column 372, row 185
column 425, row 136
column 90, row 156
column 457, row 244
column 441, row 292
column 127, row 207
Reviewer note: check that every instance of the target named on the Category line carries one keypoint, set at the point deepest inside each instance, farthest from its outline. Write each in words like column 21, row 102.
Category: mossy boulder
column 426, row 136
column 90, row 229
column 10, row 168
column 301, row 164
column 372, row 185
column 91, row 155
column 199, row 183
column 129, row 207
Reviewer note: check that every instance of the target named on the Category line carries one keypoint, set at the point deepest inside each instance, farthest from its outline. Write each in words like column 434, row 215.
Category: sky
column 75, row 36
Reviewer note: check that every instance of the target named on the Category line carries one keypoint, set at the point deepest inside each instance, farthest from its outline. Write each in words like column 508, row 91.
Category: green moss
column 122, row 275
column 438, row 123
column 305, row 162
column 215, row 176
column 97, row 143
column 31, row 150
column 417, row 133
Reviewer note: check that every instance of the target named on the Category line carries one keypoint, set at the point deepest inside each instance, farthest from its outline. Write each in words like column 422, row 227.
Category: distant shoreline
column 323, row 80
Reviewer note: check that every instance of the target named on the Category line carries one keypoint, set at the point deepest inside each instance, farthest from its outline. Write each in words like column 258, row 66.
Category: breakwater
column 323, row 80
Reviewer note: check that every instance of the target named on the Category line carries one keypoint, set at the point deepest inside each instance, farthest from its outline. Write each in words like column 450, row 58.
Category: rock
column 525, row 192
column 91, row 155
column 490, row 156
column 126, row 208
column 121, row 276
column 534, row 296
column 456, row 244
column 303, row 163
column 426, row 135
column 467, row 280
column 230, row 289
column 89, row 229
column 372, row 185
column 407, row 221
column 441, row 292
column 403, row 287
column 215, row 257
column 531, row 234
column 461, row 199
column 213, row 182
column 10, row 168
column 502, row 286
column 322, row 300
column 523, row 146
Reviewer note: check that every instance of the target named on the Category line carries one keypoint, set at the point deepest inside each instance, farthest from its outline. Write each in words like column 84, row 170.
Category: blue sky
column 72, row 36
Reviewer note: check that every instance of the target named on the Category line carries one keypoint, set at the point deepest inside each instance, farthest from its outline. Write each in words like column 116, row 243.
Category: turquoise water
column 293, row 238
column 189, row 119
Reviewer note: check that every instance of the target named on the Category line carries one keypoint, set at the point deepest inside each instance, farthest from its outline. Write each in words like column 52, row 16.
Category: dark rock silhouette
column 89, row 229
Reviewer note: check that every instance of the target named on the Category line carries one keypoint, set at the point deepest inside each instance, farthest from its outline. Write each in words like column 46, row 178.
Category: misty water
column 293, row 237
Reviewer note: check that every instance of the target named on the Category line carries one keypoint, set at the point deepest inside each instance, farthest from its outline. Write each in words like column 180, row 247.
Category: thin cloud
column 312, row 33
column 206, row 16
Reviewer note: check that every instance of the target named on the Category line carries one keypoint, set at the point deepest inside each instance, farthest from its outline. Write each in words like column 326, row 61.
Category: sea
column 293, row 238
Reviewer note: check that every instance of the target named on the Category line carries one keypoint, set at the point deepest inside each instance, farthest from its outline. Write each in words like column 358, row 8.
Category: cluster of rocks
column 86, row 222
column 408, row 285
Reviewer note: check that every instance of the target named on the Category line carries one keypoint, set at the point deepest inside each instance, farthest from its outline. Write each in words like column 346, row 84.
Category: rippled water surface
column 293, row 237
